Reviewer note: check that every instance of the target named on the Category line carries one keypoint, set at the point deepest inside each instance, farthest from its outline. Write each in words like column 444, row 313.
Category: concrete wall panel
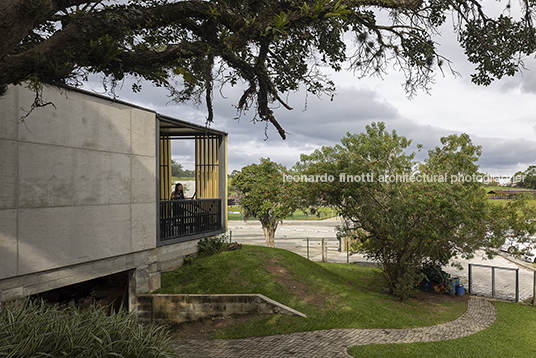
column 63, row 176
column 8, row 174
column 144, row 184
column 9, row 114
column 78, row 193
column 77, row 120
column 143, row 133
column 8, row 243
column 143, row 230
column 170, row 257
column 83, row 234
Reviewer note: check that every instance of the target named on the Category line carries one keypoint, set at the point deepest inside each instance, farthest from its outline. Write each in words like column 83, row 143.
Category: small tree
column 264, row 194
column 410, row 214
column 529, row 178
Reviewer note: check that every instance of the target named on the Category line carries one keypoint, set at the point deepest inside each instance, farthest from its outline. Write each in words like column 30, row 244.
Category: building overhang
column 176, row 128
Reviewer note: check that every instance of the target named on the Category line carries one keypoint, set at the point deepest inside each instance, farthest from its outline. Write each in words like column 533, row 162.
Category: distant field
column 531, row 203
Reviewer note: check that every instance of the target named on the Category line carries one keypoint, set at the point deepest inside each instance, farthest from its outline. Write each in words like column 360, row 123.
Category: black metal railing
column 183, row 218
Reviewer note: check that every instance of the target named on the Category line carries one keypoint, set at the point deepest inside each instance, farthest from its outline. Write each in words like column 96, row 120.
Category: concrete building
column 84, row 194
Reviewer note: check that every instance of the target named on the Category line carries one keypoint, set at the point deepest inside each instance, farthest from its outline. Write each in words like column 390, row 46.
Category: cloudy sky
column 501, row 117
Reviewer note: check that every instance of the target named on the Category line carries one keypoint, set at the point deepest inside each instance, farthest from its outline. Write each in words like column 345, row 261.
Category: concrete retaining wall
column 174, row 309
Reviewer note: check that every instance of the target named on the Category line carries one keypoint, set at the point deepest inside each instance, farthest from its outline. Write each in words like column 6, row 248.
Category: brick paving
column 332, row 343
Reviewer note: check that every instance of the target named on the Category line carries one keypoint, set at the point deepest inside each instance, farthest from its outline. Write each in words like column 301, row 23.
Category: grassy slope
column 512, row 335
column 331, row 295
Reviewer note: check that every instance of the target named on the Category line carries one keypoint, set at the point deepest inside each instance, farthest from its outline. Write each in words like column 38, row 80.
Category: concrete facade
column 78, row 193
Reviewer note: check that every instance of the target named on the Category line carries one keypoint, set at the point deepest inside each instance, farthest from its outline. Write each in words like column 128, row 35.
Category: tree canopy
column 408, row 214
column 263, row 194
column 177, row 170
column 195, row 48
column 529, row 178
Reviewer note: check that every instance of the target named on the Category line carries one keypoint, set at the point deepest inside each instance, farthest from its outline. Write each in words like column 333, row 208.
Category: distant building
column 509, row 194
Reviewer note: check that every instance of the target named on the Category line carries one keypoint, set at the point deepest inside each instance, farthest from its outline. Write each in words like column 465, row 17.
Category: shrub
column 211, row 245
column 40, row 330
column 188, row 260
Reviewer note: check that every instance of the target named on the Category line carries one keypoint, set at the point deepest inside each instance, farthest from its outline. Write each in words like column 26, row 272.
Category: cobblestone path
column 333, row 343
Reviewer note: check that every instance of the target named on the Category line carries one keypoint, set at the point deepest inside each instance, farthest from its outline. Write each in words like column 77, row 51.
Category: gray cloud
column 506, row 156
column 325, row 122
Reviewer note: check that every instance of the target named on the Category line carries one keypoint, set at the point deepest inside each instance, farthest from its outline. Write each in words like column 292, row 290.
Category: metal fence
column 493, row 281
column 183, row 218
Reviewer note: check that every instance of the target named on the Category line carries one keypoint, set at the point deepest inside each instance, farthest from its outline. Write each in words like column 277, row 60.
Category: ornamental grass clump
column 41, row 330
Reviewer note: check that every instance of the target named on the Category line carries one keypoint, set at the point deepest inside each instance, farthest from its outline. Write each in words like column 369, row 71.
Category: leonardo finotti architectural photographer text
column 394, row 178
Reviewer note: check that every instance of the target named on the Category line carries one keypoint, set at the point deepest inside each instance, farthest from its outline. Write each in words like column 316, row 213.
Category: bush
column 188, row 260
column 211, row 245
column 40, row 330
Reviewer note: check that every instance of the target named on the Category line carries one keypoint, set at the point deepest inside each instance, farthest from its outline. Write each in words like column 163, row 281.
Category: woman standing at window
column 178, row 194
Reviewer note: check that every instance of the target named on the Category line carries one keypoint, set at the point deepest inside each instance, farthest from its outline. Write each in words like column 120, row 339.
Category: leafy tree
column 177, row 170
column 409, row 214
column 233, row 173
column 264, row 194
column 272, row 47
column 529, row 178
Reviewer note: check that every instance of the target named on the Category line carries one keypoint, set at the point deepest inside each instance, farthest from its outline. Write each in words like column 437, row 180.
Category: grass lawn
column 513, row 334
column 181, row 179
column 530, row 202
column 331, row 295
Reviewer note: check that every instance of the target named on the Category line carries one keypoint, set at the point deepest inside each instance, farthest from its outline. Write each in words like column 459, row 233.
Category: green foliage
column 497, row 46
column 40, row 330
column 212, row 245
column 529, row 178
column 313, row 214
column 188, row 260
column 178, row 171
column 412, row 214
column 264, row 194
column 273, row 47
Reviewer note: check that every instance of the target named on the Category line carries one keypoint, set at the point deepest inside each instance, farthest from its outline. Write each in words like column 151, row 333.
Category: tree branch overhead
column 274, row 47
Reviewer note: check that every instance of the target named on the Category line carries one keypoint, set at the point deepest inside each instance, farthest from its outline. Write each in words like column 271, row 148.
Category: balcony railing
column 186, row 218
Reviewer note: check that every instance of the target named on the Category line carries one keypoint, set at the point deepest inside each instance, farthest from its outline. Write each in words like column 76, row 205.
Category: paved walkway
column 334, row 343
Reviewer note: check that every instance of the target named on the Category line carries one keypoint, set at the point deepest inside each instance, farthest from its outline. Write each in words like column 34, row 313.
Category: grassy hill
column 331, row 295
